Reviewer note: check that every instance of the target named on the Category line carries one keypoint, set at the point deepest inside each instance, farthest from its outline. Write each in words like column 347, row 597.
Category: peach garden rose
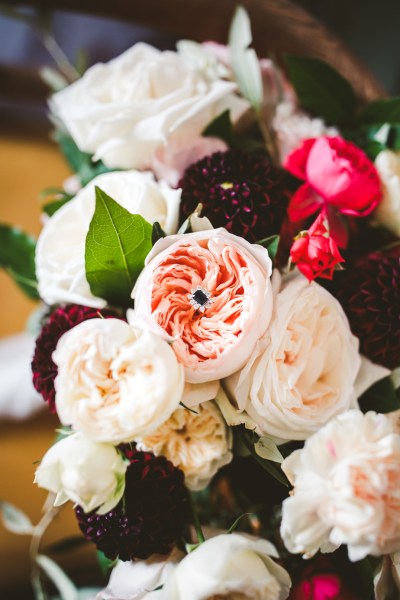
column 210, row 293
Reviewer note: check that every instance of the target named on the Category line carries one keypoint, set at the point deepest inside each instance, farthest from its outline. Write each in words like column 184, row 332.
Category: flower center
column 200, row 298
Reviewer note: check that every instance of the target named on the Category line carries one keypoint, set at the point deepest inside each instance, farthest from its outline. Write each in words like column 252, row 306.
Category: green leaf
column 249, row 439
column 62, row 582
column 52, row 207
column 271, row 243
column 321, row 89
column 386, row 110
column 221, row 127
column 17, row 257
column 381, row 397
column 157, row 233
column 117, row 244
column 80, row 162
column 245, row 64
column 106, row 564
column 15, row 520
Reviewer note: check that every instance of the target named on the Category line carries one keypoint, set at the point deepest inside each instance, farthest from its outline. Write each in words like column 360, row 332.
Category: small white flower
column 115, row 383
column 60, row 251
column 87, row 473
column 198, row 443
column 229, row 566
column 346, row 488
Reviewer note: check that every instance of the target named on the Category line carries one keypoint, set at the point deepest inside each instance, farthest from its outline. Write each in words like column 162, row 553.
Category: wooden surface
column 279, row 26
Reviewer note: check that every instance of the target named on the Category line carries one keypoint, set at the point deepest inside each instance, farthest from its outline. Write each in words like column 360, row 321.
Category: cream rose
column 199, row 443
column 89, row 474
column 209, row 292
column 307, row 372
column 60, row 251
column 123, row 111
column 346, row 488
column 229, row 566
column 139, row 580
column 387, row 164
column 115, row 383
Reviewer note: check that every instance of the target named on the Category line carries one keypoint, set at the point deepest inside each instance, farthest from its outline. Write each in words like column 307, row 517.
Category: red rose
column 338, row 177
column 315, row 252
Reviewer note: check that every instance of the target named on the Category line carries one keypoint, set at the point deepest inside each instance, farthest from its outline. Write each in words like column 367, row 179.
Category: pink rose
column 170, row 161
column 338, row 177
column 210, row 292
column 321, row 587
column 315, row 252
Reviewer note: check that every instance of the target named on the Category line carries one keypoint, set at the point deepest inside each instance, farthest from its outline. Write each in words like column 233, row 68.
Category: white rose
column 292, row 127
column 123, row 111
column 60, row 251
column 346, row 488
column 387, row 164
column 215, row 339
column 87, row 473
column 231, row 566
column 199, row 443
column 139, row 580
column 115, row 383
column 307, row 372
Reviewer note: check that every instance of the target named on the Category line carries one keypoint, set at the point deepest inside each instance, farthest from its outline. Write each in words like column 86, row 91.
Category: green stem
column 196, row 521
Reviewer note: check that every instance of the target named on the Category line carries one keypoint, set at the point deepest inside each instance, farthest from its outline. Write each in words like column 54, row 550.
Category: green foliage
column 80, row 162
column 321, row 89
column 117, row 244
column 381, row 397
column 271, row 243
column 17, row 257
column 157, row 233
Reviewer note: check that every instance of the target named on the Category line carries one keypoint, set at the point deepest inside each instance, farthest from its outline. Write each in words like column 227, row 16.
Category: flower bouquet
column 220, row 337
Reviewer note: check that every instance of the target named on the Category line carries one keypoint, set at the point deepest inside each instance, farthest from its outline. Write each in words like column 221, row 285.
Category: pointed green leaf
column 117, row 244
column 15, row 520
column 234, row 525
column 17, row 257
column 245, row 64
column 321, row 89
column 386, row 110
column 80, row 162
column 157, row 233
column 271, row 243
column 267, row 449
column 381, row 397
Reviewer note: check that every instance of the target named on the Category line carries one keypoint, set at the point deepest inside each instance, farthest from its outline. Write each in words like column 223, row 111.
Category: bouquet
column 220, row 333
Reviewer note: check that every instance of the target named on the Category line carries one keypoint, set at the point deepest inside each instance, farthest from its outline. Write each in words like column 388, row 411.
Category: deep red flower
column 321, row 587
column 61, row 320
column 369, row 292
column 338, row 177
column 315, row 252
column 149, row 518
column 242, row 192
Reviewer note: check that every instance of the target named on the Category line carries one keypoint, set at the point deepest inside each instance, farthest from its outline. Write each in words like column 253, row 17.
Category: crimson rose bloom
column 315, row 252
column 321, row 587
column 338, row 176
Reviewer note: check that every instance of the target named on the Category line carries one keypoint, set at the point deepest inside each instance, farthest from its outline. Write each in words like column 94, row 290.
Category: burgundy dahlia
column 61, row 320
column 149, row 518
column 369, row 292
column 242, row 192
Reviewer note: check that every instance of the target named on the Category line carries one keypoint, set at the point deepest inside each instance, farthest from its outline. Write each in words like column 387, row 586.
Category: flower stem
column 196, row 521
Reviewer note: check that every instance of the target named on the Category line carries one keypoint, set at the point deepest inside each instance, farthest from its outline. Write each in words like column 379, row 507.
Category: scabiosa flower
column 242, row 192
column 149, row 518
column 61, row 320
column 370, row 295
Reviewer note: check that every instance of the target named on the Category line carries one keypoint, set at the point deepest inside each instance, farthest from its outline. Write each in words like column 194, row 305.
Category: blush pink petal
column 236, row 273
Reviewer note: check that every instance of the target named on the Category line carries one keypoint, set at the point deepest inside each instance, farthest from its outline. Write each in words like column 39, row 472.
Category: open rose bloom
column 220, row 333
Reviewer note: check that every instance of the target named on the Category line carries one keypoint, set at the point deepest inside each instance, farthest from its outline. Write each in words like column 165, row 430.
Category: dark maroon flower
column 242, row 192
column 61, row 320
column 149, row 518
column 369, row 292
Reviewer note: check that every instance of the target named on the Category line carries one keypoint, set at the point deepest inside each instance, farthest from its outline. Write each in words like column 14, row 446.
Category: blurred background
column 30, row 162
